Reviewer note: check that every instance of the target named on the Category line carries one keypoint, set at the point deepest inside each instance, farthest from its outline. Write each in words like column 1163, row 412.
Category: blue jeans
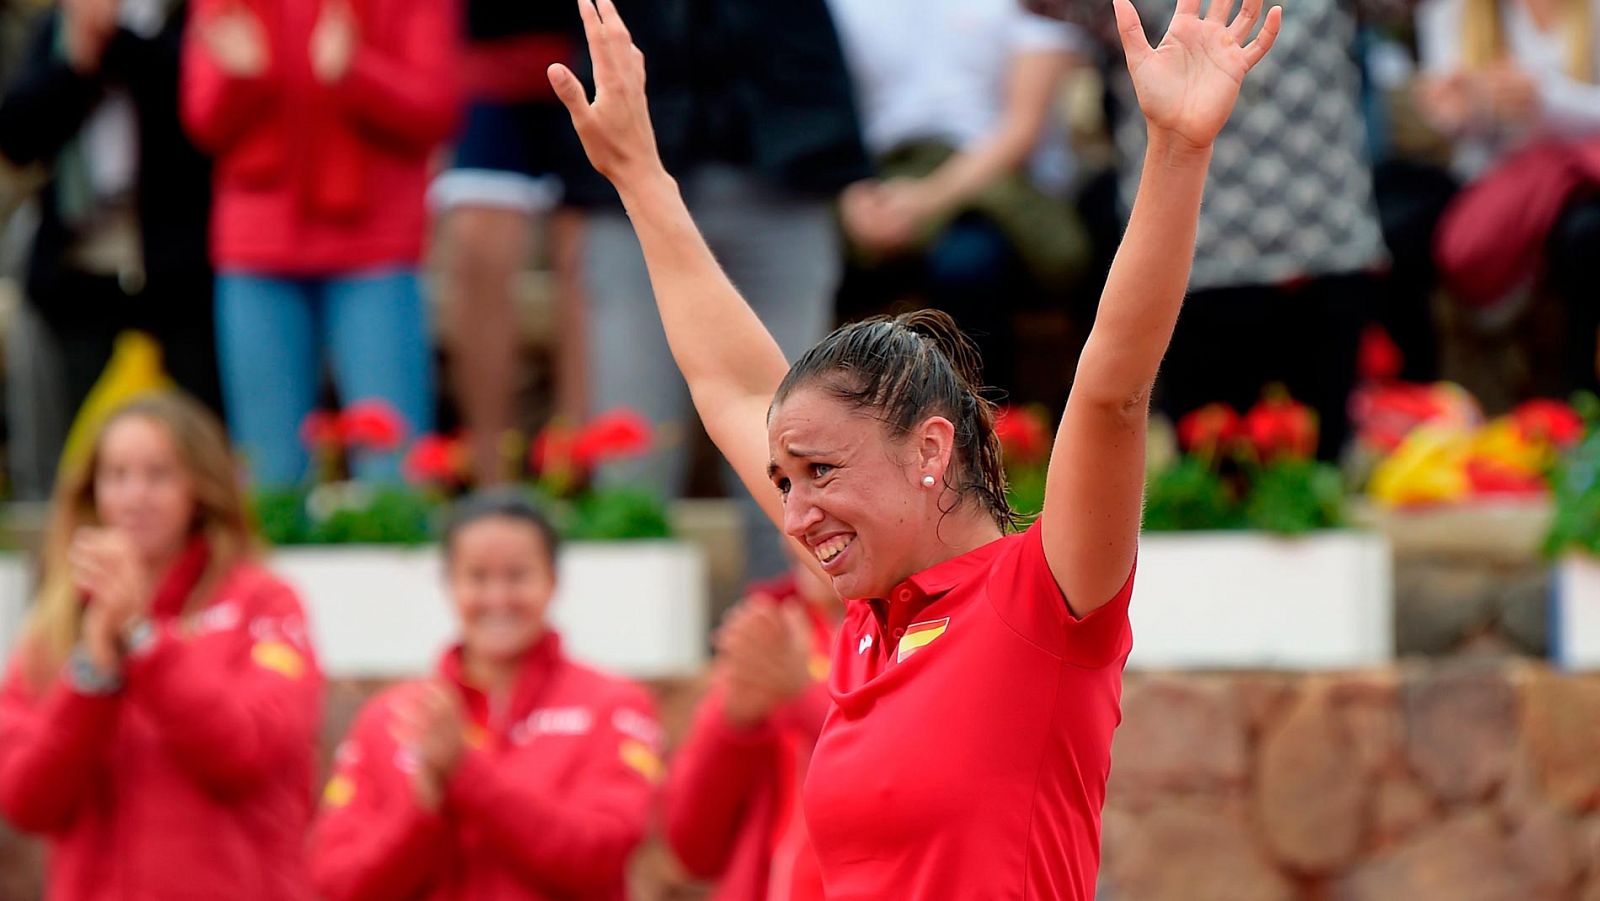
column 272, row 334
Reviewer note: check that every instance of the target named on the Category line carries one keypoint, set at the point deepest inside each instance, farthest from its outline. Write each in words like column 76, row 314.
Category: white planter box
column 1232, row 600
column 638, row 608
column 1575, row 613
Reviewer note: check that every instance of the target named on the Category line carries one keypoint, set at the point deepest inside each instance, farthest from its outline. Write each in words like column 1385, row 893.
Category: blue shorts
column 510, row 156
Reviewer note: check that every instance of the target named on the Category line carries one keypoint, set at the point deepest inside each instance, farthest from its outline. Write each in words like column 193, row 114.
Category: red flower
column 1379, row 358
column 1022, row 433
column 1208, row 428
column 552, row 449
column 1279, row 427
column 1549, row 420
column 374, row 425
column 1490, row 478
column 432, row 459
column 321, row 430
column 619, row 433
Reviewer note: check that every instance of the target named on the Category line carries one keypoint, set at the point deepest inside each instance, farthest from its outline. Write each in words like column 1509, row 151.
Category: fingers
column 1135, row 46
column 1217, row 10
column 1184, row 8
column 569, row 91
column 616, row 29
column 1245, row 21
column 1269, row 34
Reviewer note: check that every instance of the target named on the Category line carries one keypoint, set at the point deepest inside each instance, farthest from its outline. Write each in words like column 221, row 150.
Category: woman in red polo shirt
column 515, row 774
column 977, row 677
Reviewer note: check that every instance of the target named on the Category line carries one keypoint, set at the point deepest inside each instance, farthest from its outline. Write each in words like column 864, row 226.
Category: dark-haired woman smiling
column 977, row 676
column 515, row 774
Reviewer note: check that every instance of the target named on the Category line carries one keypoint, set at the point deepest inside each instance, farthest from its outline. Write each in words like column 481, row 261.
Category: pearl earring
column 927, row 481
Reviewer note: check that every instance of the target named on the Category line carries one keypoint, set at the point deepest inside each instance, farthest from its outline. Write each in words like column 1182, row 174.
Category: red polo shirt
column 967, row 752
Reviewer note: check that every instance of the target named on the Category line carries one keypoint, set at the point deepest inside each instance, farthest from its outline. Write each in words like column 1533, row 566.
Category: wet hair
column 902, row 369
column 498, row 504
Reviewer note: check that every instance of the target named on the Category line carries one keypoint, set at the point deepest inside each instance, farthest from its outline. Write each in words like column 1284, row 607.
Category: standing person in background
column 321, row 117
column 121, row 242
column 1515, row 83
column 732, row 799
column 159, row 718
column 1289, row 240
column 506, row 177
column 969, row 212
column 759, row 125
column 516, row 773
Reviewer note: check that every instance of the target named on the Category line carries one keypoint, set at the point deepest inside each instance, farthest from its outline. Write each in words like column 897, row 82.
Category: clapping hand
column 764, row 658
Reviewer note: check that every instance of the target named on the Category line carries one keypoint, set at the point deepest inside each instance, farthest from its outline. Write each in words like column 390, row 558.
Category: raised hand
column 615, row 128
column 1187, row 85
column 432, row 726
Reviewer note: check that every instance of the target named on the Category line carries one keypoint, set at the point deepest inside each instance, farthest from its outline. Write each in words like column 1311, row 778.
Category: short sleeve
column 1024, row 593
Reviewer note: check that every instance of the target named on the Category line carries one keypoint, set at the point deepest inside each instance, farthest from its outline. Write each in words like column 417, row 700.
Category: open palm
column 1188, row 83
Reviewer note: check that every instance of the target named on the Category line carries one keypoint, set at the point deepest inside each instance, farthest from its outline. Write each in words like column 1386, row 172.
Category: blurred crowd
column 315, row 202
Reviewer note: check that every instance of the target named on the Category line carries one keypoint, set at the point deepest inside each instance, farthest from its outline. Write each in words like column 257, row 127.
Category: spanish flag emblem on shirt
column 279, row 657
column 919, row 636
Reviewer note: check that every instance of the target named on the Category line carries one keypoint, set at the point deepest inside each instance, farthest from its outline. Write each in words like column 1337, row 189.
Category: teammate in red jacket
column 158, row 720
column 733, row 796
column 515, row 773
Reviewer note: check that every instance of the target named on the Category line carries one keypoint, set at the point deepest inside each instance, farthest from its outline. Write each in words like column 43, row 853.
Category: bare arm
column 1094, row 492
column 730, row 360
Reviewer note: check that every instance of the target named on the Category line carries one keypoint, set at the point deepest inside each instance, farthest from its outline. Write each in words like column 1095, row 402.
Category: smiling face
column 143, row 488
column 853, row 494
column 501, row 579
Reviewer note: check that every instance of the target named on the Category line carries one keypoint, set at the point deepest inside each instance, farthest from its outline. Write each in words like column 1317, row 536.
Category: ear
column 935, row 444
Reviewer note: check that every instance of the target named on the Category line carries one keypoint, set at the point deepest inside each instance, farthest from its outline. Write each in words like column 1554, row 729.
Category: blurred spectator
column 321, row 118
column 733, row 811
column 159, row 718
column 1514, row 82
column 755, row 118
column 515, row 773
column 1289, row 237
column 506, row 176
column 968, row 212
column 121, row 241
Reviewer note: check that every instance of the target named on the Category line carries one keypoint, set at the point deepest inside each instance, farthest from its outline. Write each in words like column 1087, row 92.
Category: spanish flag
column 920, row 635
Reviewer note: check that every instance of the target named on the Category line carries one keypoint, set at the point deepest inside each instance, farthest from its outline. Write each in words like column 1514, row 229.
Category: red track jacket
column 314, row 179
column 196, row 780
column 547, row 804
column 733, row 797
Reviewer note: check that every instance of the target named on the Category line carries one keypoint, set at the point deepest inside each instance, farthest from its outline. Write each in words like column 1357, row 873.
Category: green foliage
column 1575, row 523
column 1189, row 496
column 1294, row 496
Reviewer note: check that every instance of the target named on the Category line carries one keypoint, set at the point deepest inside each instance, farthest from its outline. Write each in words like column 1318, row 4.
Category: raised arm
column 1095, row 488
column 732, row 364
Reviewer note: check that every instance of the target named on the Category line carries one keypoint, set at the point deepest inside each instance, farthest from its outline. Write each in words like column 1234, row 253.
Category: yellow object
column 1503, row 442
column 134, row 370
column 279, row 658
column 341, row 790
column 1429, row 466
column 637, row 756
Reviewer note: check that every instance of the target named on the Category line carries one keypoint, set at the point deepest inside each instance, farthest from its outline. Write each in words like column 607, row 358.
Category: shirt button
column 898, row 633
column 905, row 594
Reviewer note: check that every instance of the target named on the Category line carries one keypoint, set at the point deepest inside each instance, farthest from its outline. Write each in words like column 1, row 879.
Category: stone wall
column 1463, row 780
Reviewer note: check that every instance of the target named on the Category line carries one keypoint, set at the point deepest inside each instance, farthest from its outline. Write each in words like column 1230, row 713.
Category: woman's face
column 852, row 495
column 500, row 580
column 143, row 489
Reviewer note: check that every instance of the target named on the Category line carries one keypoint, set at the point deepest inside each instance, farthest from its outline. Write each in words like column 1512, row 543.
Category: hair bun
column 940, row 328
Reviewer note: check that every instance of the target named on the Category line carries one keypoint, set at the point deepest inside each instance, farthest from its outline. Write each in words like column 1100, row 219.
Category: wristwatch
column 86, row 678
column 137, row 637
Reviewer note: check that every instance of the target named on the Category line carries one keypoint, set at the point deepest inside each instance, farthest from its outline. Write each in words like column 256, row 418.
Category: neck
column 158, row 565
column 492, row 676
column 962, row 532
